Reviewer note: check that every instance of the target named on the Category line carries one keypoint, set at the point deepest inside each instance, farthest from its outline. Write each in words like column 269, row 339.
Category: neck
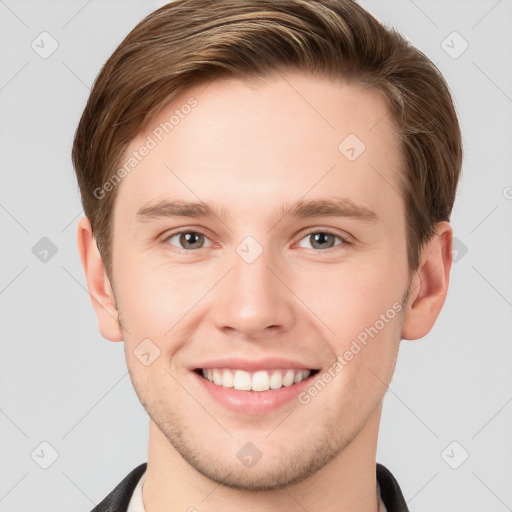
column 347, row 482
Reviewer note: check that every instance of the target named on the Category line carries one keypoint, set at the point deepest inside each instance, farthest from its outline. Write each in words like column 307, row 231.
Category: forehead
column 248, row 145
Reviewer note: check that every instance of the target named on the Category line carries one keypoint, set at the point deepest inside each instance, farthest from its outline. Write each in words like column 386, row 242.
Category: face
column 302, row 258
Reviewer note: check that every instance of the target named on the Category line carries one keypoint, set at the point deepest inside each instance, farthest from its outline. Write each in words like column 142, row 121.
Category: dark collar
column 390, row 490
column 119, row 498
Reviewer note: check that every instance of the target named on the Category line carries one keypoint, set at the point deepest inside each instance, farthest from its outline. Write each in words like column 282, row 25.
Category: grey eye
column 321, row 240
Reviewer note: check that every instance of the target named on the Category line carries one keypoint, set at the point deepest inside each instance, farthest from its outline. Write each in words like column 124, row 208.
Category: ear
column 429, row 284
column 99, row 286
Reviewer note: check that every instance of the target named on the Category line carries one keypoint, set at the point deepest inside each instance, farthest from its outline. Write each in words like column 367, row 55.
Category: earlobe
column 429, row 285
column 98, row 284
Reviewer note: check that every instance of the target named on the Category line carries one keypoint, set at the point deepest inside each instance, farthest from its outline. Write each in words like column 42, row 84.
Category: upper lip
column 237, row 363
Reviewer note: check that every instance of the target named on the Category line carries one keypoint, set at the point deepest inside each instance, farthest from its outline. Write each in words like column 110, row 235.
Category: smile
column 261, row 380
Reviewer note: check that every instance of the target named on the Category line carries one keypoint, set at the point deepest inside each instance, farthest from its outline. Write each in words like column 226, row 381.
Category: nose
column 253, row 300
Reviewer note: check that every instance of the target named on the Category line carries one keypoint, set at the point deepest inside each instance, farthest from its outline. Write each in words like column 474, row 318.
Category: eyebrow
column 337, row 207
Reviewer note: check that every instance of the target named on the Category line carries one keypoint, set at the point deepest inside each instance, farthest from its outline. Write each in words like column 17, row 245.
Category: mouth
column 258, row 381
column 255, row 393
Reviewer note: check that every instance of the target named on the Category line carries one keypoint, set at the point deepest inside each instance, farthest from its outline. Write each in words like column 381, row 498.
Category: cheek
column 358, row 310
column 151, row 296
column 351, row 296
column 164, row 304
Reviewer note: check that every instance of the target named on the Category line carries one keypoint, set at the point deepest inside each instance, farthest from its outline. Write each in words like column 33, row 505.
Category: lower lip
column 254, row 402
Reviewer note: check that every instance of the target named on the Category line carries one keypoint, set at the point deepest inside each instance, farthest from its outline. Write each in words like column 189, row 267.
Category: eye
column 322, row 239
column 188, row 240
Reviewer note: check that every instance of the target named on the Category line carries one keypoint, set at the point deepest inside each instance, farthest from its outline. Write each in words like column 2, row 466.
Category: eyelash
column 343, row 240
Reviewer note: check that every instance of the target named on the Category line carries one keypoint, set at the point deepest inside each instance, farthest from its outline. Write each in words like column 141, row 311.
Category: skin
column 248, row 148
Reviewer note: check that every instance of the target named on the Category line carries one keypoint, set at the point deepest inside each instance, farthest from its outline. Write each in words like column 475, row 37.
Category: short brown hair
column 191, row 41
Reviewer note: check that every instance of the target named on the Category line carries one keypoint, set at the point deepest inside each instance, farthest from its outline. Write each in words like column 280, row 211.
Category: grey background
column 61, row 383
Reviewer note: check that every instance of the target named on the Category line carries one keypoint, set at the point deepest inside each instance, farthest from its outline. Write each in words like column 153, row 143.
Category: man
column 267, row 188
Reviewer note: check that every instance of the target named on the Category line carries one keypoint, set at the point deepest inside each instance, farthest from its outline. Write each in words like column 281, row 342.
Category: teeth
column 261, row 380
column 217, row 377
column 276, row 380
column 227, row 379
column 242, row 381
column 289, row 378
